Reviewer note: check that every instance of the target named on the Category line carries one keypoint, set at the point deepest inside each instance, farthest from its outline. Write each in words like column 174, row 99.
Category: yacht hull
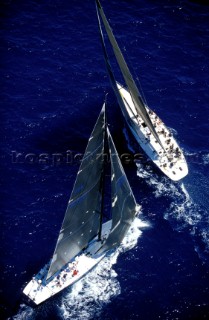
column 169, row 160
column 39, row 289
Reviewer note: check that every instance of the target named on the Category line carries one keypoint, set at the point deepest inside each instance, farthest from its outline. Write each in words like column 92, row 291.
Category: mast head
column 98, row 4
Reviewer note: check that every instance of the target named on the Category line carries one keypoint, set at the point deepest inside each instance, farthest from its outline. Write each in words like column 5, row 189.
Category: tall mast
column 124, row 207
column 102, row 181
column 133, row 90
column 82, row 218
column 102, row 184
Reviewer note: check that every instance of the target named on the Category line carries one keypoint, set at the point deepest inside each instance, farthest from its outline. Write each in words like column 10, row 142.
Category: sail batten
column 82, row 218
column 137, row 100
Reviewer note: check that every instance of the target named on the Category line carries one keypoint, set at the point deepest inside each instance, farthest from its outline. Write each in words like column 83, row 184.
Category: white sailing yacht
column 148, row 129
column 85, row 238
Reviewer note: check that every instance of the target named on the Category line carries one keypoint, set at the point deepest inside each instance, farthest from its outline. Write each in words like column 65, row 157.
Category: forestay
column 82, row 219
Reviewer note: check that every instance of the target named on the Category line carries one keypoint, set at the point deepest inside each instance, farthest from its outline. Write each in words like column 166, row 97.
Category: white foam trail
column 159, row 183
column 163, row 186
column 183, row 211
column 184, row 208
column 86, row 299
column 87, row 296
column 185, row 192
column 25, row 313
column 173, row 131
column 206, row 159
column 135, row 231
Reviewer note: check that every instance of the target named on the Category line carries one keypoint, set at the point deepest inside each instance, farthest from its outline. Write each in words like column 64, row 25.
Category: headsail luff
column 123, row 201
column 137, row 100
column 82, row 217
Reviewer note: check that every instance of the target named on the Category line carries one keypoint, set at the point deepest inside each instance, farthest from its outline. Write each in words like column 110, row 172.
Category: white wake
column 86, row 299
column 182, row 209
column 25, row 313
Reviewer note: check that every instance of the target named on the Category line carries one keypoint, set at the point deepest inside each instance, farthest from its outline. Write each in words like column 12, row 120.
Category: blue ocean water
column 53, row 81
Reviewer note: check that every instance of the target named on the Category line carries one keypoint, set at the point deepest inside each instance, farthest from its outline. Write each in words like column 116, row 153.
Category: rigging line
column 102, row 181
